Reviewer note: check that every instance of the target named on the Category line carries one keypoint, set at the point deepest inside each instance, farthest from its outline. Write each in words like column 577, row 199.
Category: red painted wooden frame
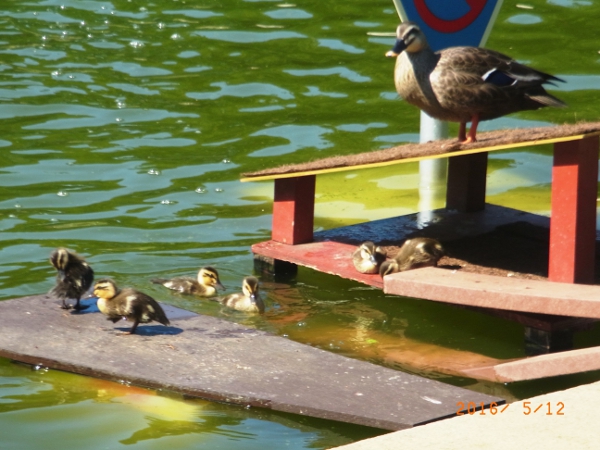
column 573, row 218
column 572, row 222
column 294, row 210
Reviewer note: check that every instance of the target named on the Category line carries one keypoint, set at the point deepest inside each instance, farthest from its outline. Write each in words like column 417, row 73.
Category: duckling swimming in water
column 74, row 277
column 204, row 286
column 127, row 304
column 368, row 257
column 248, row 300
column 414, row 253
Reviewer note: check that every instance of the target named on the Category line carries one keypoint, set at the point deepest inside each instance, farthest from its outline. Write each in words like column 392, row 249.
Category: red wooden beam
column 466, row 182
column 294, row 210
column 573, row 219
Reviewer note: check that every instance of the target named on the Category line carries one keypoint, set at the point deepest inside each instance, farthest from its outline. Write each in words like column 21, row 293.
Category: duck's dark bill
column 399, row 47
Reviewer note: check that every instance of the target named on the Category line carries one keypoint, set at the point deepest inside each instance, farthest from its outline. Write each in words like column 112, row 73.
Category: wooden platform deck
column 570, row 248
column 540, row 305
column 331, row 251
column 574, row 187
column 401, row 154
column 446, row 285
column 214, row 359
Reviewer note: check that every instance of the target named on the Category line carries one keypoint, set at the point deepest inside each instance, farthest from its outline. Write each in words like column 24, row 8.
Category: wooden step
column 488, row 291
column 543, row 366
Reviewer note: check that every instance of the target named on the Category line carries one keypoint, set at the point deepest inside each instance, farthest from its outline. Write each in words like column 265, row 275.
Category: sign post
column 450, row 23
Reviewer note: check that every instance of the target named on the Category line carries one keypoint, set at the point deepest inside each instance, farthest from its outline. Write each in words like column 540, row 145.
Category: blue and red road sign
column 448, row 23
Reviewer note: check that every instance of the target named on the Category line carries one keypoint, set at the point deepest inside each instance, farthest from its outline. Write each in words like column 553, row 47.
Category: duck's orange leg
column 462, row 132
column 472, row 131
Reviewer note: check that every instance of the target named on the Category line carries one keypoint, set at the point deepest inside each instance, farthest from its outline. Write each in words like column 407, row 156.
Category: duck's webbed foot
column 65, row 305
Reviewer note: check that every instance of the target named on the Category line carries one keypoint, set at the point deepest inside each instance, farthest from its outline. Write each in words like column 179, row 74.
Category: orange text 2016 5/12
column 528, row 408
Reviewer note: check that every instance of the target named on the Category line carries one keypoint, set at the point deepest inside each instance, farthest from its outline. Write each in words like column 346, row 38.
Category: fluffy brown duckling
column 127, row 304
column 74, row 278
column 414, row 253
column 205, row 285
column 248, row 300
column 368, row 257
column 465, row 84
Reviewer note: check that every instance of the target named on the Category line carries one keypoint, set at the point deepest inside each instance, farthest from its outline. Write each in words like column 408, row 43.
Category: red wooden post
column 573, row 219
column 466, row 182
column 294, row 210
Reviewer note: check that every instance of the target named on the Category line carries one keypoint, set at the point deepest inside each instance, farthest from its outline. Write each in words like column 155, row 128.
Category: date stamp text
column 527, row 408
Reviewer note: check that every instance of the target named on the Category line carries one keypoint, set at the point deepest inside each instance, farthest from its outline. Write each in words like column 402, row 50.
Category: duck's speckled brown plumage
column 74, row 278
column 462, row 84
column 414, row 253
column 127, row 304
column 205, row 285
column 248, row 300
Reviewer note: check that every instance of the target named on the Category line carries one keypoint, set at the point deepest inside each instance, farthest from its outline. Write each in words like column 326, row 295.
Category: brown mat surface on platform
column 517, row 250
column 485, row 140
column 496, row 241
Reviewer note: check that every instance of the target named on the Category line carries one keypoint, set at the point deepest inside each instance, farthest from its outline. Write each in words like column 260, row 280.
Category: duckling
column 127, row 304
column 414, row 253
column 74, row 277
column 248, row 300
column 204, row 286
column 465, row 84
column 367, row 258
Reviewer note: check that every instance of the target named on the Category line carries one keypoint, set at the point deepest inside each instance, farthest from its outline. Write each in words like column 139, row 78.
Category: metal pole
column 432, row 172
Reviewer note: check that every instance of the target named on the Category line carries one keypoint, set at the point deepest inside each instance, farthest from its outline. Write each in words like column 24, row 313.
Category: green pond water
column 125, row 128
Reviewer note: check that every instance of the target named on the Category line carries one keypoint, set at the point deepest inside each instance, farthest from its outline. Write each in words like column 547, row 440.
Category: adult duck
column 465, row 84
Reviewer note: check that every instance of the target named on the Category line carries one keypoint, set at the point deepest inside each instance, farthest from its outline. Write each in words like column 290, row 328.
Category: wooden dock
column 210, row 358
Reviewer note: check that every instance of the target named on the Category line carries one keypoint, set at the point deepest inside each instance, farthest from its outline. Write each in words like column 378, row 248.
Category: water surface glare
column 125, row 128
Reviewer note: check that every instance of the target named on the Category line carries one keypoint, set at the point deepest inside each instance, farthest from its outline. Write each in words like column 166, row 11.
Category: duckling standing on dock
column 74, row 277
column 204, row 286
column 248, row 300
column 368, row 257
column 465, row 84
column 414, row 253
column 127, row 304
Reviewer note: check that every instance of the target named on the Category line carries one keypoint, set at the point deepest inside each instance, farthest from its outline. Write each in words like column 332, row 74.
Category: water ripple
column 336, row 44
column 193, row 13
column 242, row 90
column 343, row 72
column 297, row 136
column 248, row 37
column 84, row 116
column 288, row 13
